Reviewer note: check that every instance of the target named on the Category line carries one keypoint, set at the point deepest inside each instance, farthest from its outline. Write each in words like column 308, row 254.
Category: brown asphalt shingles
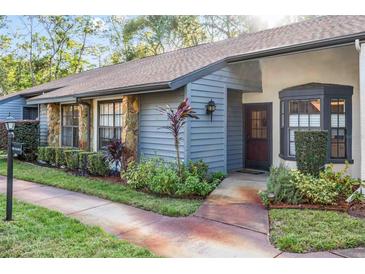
column 167, row 67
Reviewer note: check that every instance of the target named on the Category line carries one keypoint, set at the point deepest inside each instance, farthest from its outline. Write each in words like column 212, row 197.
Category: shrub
column 97, row 165
column 199, row 169
column 315, row 190
column 50, row 155
column 194, row 186
column 26, row 132
column 345, row 184
column 156, row 176
column 138, row 175
column 60, row 158
column 281, row 185
column 114, row 152
column 311, row 151
column 165, row 181
column 42, row 154
column 72, row 158
column 83, row 159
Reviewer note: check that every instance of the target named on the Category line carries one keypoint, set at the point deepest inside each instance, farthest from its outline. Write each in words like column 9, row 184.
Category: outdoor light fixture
column 211, row 107
column 10, row 125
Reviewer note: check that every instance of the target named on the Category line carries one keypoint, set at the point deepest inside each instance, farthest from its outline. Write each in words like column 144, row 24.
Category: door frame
column 269, row 129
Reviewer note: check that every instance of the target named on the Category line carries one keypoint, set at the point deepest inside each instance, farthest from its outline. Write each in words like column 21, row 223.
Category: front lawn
column 296, row 230
column 39, row 232
column 103, row 189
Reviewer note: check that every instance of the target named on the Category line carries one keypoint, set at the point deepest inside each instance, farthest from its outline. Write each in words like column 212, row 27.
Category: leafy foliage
column 50, row 155
column 311, row 151
column 114, row 153
column 25, row 132
column 281, row 185
column 177, row 120
column 294, row 187
column 72, row 158
column 97, row 165
column 159, row 177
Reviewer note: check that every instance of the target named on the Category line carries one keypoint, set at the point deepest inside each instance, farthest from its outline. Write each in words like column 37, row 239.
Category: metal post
column 9, row 189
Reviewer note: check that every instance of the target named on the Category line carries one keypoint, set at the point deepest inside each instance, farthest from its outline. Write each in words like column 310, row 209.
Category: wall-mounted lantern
column 211, row 107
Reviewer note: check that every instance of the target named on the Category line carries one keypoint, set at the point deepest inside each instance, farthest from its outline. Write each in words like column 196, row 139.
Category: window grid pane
column 338, row 129
column 70, row 125
column 303, row 115
column 110, row 122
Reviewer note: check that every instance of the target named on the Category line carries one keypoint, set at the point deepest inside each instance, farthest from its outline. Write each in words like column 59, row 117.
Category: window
column 317, row 107
column 338, row 129
column 258, row 124
column 70, row 125
column 30, row 113
column 110, row 122
column 303, row 115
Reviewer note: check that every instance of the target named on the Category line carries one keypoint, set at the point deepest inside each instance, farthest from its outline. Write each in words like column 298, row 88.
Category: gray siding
column 207, row 140
column 154, row 140
column 13, row 105
column 234, row 131
column 43, row 125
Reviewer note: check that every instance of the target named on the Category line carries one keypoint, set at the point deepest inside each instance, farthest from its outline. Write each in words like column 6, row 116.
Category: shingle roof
column 166, row 68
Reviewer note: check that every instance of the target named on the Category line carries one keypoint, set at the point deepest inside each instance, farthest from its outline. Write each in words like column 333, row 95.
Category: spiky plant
column 177, row 120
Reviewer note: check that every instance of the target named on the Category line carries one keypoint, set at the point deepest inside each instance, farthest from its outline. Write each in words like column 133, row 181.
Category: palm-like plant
column 114, row 153
column 177, row 120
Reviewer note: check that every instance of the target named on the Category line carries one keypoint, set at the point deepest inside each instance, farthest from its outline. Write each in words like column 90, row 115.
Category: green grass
column 301, row 231
column 110, row 191
column 39, row 232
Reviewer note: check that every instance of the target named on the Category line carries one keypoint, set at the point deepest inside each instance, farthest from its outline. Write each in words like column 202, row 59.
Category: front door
column 257, row 118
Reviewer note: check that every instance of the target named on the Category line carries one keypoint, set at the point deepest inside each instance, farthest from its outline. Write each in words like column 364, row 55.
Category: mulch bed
column 357, row 210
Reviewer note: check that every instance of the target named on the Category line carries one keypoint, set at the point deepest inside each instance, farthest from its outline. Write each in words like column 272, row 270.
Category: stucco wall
column 334, row 66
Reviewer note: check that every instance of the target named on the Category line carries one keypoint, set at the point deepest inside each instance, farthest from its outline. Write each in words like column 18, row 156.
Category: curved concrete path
column 231, row 223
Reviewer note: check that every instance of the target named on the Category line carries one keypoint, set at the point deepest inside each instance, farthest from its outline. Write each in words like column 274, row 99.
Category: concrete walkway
column 231, row 223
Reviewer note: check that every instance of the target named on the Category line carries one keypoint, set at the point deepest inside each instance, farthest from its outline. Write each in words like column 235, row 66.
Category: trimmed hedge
column 311, row 151
column 72, row 158
column 83, row 159
column 97, row 165
column 41, row 156
column 50, row 155
column 26, row 132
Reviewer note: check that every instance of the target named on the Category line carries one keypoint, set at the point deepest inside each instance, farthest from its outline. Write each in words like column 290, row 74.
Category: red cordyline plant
column 177, row 120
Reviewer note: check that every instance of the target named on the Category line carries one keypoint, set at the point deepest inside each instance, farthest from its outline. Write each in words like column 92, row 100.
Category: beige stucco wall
column 334, row 66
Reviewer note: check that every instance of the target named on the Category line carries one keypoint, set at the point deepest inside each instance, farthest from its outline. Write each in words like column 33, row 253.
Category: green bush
column 83, row 159
column 97, row 165
column 156, row 176
column 41, row 155
column 72, row 158
column 280, row 184
column 50, row 155
column 60, row 158
column 315, row 190
column 311, row 151
column 26, row 132
column 199, row 169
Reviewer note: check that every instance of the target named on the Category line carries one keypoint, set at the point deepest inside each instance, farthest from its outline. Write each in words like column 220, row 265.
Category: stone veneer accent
column 84, row 126
column 54, row 125
column 130, row 111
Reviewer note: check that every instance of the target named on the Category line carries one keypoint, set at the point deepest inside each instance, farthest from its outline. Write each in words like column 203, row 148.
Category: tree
column 290, row 19
column 220, row 27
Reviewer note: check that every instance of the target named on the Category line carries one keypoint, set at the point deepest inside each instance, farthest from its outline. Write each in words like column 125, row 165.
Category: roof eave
column 297, row 47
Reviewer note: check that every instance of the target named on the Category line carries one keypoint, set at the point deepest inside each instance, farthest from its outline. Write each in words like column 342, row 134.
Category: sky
column 17, row 24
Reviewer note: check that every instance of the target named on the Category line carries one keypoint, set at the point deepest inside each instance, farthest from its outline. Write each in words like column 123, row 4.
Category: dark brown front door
column 258, row 121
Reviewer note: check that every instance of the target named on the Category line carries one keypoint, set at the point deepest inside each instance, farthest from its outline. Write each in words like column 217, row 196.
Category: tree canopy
column 46, row 48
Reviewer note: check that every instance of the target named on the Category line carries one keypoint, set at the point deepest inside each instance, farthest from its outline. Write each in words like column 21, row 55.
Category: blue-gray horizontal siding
column 234, row 131
column 43, row 125
column 14, row 106
column 207, row 140
column 155, row 141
